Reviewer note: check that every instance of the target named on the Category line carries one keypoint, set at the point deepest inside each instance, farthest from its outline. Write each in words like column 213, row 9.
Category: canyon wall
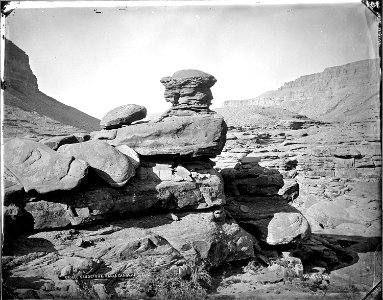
column 22, row 93
column 343, row 93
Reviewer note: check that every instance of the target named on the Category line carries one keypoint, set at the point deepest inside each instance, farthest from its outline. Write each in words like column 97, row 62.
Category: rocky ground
column 335, row 184
column 332, row 175
column 190, row 205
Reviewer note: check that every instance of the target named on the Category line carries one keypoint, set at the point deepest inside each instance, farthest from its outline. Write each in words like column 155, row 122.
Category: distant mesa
column 343, row 93
column 123, row 115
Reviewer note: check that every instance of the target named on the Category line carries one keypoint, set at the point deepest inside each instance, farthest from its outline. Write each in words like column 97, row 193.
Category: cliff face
column 22, row 92
column 347, row 92
column 18, row 72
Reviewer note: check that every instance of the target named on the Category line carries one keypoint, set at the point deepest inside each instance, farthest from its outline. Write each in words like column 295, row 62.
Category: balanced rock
column 200, row 135
column 123, row 115
column 189, row 128
column 38, row 167
column 109, row 163
column 189, row 89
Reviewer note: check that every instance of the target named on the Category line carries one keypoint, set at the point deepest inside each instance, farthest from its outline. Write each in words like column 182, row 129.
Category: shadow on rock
column 24, row 245
column 334, row 252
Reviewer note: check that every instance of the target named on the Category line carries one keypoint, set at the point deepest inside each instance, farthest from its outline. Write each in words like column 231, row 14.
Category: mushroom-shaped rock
column 123, row 115
column 189, row 89
column 38, row 167
column 109, row 163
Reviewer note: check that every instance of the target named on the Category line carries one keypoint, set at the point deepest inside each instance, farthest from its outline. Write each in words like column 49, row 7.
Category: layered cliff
column 348, row 92
column 22, row 92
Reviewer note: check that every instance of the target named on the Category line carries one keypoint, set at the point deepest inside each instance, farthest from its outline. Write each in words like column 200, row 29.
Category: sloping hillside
column 22, row 92
column 260, row 116
column 343, row 93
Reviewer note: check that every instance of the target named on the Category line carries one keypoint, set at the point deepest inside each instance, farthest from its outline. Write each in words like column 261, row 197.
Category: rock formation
column 189, row 89
column 167, row 195
column 189, row 128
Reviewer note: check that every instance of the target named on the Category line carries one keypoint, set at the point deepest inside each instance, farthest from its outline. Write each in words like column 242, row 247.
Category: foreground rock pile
column 156, row 176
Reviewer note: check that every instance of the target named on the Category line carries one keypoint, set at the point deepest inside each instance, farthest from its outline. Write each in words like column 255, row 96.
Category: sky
column 96, row 59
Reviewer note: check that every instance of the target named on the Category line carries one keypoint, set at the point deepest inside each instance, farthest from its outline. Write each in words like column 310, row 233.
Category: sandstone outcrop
column 253, row 200
column 164, row 185
column 168, row 196
column 123, row 115
column 109, row 163
column 140, row 249
column 38, row 167
column 170, row 170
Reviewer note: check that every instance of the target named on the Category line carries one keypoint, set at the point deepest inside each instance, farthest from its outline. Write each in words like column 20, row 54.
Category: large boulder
column 200, row 135
column 269, row 219
column 38, row 167
column 109, row 163
column 123, row 115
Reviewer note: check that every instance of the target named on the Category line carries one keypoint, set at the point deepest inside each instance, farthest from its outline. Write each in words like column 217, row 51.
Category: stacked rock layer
column 156, row 174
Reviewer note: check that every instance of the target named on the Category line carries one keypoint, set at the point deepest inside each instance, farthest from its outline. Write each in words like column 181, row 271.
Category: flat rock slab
column 203, row 135
column 123, row 115
column 109, row 163
column 38, row 167
column 345, row 217
column 146, row 247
